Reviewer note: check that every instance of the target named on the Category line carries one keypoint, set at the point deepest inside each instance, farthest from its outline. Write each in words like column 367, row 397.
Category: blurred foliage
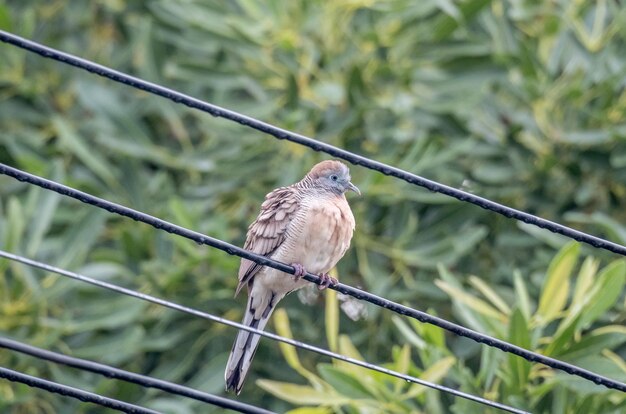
column 520, row 101
column 554, row 327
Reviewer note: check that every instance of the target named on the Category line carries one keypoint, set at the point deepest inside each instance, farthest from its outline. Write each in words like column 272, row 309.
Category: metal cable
column 280, row 133
column 68, row 391
column 340, row 287
column 143, row 380
column 270, row 335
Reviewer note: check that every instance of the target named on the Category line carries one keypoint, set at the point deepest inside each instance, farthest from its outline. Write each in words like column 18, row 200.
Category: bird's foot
column 299, row 271
column 326, row 281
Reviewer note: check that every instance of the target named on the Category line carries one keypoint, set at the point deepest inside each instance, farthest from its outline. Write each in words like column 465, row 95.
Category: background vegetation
column 520, row 101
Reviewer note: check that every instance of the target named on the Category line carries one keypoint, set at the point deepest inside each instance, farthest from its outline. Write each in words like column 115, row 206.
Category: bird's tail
column 246, row 344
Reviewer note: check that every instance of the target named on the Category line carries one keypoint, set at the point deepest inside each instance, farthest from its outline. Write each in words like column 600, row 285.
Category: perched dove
column 309, row 225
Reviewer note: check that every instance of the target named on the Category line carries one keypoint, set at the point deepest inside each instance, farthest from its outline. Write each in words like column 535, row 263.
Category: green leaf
column 519, row 334
column 563, row 338
column 81, row 237
column 5, row 18
column 490, row 360
column 116, row 312
column 594, row 342
column 556, row 284
column 115, row 347
column 521, row 293
column 47, row 202
column 182, row 214
column 616, row 360
column 447, row 24
column 551, row 239
column 409, row 334
column 16, row 224
column 344, row 381
column 432, row 334
column 609, row 287
column 596, row 363
column 75, row 144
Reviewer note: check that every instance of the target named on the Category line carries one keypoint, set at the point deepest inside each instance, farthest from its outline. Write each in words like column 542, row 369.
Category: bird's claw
column 299, row 271
column 326, row 281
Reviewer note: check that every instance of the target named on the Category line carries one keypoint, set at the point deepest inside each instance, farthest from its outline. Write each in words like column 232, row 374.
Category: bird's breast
column 324, row 230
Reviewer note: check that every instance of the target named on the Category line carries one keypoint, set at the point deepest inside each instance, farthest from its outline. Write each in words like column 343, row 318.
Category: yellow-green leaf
column 348, row 349
column 584, row 282
column 584, row 291
column 556, row 284
column 311, row 410
column 478, row 305
column 403, row 363
column 490, row 294
column 301, row 394
column 332, row 316
column 281, row 323
column 609, row 329
column 366, row 376
column 435, row 373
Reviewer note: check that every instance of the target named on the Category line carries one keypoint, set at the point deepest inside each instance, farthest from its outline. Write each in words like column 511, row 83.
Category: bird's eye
column 334, row 177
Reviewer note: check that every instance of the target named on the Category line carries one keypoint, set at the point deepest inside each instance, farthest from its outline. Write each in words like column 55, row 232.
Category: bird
column 309, row 225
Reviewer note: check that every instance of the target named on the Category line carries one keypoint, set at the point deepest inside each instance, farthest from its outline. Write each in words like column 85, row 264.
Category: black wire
column 340, row 287
column 68, row 391
column 270, row 335
column 145, row 381
column 280, row 133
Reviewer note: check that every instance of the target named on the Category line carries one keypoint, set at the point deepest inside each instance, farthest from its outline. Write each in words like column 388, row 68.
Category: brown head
column 331, row 175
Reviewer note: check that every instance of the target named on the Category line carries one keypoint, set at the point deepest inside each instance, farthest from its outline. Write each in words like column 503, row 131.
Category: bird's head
column 332, row 176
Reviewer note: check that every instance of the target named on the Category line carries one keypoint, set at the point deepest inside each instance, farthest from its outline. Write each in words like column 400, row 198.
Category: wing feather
column 268, row 231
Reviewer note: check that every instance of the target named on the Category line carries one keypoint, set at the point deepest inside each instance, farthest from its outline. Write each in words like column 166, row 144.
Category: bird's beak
column 354, row 188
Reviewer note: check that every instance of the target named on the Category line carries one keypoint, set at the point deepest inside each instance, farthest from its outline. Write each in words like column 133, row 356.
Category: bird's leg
column 299, row 271
column 327, row 280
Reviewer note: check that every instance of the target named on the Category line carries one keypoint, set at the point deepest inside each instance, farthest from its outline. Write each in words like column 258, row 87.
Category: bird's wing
column 269, row 229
